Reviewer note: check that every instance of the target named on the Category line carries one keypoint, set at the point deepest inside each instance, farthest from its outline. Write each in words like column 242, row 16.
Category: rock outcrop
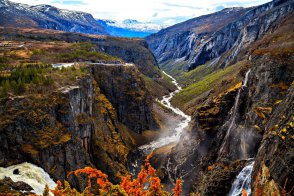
column 128, row 50
column 229, row 32
column 88, row 123
column 273, row 169
column 7, row 186
column 250, row 119
column 128, row 94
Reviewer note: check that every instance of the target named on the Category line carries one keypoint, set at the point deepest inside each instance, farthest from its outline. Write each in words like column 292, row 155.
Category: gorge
column 210, row 98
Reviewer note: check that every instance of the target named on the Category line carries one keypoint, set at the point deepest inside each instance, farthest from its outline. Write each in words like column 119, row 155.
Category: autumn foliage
column 146, row 184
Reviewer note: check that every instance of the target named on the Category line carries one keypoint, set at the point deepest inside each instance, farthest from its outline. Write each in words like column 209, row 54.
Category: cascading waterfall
column 242, row 181
column 234, row 113
column 31, row 174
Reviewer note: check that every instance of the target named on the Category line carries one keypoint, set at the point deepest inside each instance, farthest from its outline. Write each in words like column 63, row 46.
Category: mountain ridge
column 48, row 17
column 197, row 48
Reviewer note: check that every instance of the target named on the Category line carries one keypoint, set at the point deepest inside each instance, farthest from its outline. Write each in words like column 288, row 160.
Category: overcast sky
column 165, row 12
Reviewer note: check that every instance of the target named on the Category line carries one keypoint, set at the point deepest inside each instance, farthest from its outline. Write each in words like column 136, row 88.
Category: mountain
column 90, row 114
column 48, row 17
column 129, row 28
column 236, row 70
column 220, row 124
column 187, row 45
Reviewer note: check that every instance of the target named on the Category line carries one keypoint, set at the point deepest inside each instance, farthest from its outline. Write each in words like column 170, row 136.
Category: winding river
column 144, row 150
column 185, row 119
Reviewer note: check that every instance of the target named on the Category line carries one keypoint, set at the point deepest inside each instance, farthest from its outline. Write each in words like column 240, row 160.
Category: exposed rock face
column 78, row 125
column 178, row 41
column 260, row 125
column 230, row 32
column 17, row 186
column 48, row 17
column 133, row 51
column 273, row 167
column 126, row 91
column 130, row 50
column 219, row 178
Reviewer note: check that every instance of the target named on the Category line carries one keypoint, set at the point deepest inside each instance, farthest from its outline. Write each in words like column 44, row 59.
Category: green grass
column 184, row 77
column 158, row 87
column 196, row 74
column 174, row 69
column 84, row 51
column 204, row 84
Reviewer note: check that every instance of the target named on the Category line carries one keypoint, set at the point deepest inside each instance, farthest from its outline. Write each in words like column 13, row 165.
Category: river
column 144, row 150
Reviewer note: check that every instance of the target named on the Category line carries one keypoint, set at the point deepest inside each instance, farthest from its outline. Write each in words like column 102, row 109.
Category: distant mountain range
column 49, row 17
column 129, row 28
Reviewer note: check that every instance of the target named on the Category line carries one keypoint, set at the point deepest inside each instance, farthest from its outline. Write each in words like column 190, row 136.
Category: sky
column 163, row 12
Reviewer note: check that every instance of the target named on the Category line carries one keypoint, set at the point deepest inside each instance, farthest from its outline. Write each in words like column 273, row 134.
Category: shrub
column 128, row 186
column 18, row 77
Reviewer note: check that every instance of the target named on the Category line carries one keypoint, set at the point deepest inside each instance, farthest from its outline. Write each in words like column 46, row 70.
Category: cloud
column 69, row 2
column 157, row 11
column 182, row 6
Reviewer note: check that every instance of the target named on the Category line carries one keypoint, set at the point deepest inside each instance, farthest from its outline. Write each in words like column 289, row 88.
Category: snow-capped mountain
column 129, row 27
column 48, row 17
column 136, row 25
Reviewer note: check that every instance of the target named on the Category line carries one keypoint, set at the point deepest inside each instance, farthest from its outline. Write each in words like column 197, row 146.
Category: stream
column 144, row 150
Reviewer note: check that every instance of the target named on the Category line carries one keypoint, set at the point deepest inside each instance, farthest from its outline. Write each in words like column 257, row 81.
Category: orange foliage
column 129, row 186
column 178, row 188
column 102, row 179
column 58, row 189
column 136, row 187
column 244, row 192
column 210, row 167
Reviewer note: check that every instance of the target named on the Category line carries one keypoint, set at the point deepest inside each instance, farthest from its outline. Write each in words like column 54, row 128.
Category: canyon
column 211, row 98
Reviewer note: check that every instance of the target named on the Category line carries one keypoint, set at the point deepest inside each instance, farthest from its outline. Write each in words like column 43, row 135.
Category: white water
column 31, row 174
column 234, row 111
column 242, row 181
column 163, row 141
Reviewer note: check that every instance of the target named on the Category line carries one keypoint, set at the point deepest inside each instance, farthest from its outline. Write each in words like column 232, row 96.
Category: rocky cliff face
column 180, row 40
column 48, row 17
column 273, row 169
column 247, row 120
column 220, row 136
column 84, row 124
column 229, row 32
column 129, row 50
column 127, row 92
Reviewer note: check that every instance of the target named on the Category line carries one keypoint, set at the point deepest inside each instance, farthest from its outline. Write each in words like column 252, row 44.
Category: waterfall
column 31, row 174
column 242, row 182
column 234, row 112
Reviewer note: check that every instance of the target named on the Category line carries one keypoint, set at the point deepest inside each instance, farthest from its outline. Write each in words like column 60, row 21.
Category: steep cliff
column 127, row 92
column 228, row 32
column 79, row 124
column 129, row 50
column 246, row 114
